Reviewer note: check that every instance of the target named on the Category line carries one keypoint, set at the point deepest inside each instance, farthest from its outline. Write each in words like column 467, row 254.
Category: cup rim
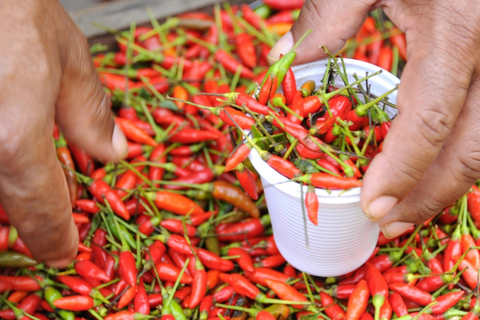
column 282, row 182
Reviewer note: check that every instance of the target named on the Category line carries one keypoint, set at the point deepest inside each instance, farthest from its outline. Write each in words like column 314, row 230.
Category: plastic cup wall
column 344, row 238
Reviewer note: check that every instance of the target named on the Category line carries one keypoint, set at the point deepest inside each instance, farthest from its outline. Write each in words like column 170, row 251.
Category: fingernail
column 394, row 229
column 281, row 47
column 119, row 143
column 379, row 207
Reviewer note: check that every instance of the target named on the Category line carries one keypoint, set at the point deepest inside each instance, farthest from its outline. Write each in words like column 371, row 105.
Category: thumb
column 331, row 22
column 83, row 109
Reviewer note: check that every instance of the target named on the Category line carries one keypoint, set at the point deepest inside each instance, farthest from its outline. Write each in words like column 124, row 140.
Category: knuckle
column 429, row 208
column 436, row 125
column 469, row 166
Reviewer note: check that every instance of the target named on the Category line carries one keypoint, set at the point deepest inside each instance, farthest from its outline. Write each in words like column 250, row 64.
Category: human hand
column 431, row 156
column 47, row 76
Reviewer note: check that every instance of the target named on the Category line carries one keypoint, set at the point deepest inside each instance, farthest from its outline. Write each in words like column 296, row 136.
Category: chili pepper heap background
column 180, row 229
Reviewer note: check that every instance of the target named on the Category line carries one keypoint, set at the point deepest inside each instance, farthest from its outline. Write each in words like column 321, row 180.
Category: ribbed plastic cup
column 344, row 238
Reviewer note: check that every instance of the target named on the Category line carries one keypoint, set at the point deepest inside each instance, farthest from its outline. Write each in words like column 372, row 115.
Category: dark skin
column 431, row 156
column 47, row 76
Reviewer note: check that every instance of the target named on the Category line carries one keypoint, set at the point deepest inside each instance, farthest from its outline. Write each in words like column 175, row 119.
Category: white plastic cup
column 344, row 238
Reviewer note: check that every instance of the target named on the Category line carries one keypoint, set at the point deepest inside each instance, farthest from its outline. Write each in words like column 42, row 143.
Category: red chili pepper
column 176, row 203
column 412, row 293
column 127, row 297
column 126, row 182
column 212, row 261
column 127, row 267
column 473, row 202
column 400, row 42
column 289, row 87
column 260, row 275
column 240, row 154
column 199, row 288
column 378, row 287
column 470, row 275
column 20, row 283
column 297, row 106
column 202, row 176
column 357, row 304
column 176, row 226
column 74, row 303
column 332, row 309
column 285, row 4
column 169, row 272
column 87, row 269
column 84, row 162
column 247, row 181
column 311, row 204
column 398, row 305
column 27, row 306
column 141, row 301
column 242, row 286
column 166, row 117
column 102, row 191
column 453, row 250
column 133, row 133
column 282, row 166
column 446, row 301
column 231, row 64
column 65, row 158
column 245, row 49
column 385, row 58
column 327, row 181
column 188, row 135
column 286, row 292
column 250, row 16
column 247, row 228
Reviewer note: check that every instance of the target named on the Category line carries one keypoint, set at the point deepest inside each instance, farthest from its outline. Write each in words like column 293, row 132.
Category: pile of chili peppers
column 172, row 233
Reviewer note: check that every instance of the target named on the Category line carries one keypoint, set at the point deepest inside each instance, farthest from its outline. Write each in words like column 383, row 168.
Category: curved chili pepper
column 227, row 192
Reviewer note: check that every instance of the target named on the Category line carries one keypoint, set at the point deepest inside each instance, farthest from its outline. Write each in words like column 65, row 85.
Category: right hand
column 47, row 76
column 431, row 156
